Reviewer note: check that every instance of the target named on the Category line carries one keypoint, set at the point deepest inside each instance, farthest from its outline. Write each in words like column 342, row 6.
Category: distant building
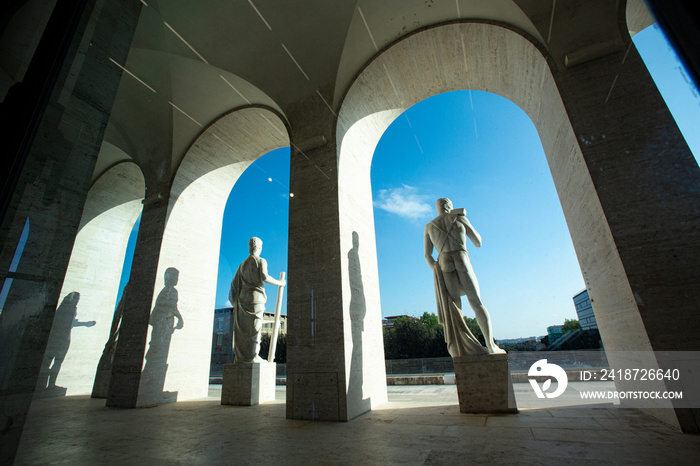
column 515, row 341
column 582, row 303
column 523, row 343
column 554, row 332
column 269, row 322
column 388, row 322
column 222, row 339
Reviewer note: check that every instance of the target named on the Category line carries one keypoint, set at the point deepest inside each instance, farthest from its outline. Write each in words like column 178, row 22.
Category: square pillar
column 316, row 359
column 644, row 290
column 66, row 123
column 128, row 360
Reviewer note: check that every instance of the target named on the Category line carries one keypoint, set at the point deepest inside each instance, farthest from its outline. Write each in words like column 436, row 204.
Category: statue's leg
column 470, row 286
column 452, row 285
column 449, row 276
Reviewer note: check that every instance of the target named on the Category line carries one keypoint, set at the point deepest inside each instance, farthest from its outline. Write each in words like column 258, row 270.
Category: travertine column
column 315, row 349
column 112, row 207
column 128, row 357
column 50, row 192
column 648, row 184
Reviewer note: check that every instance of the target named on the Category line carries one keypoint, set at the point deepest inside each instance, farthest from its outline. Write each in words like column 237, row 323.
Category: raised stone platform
column 248, row 384
column 484, row 385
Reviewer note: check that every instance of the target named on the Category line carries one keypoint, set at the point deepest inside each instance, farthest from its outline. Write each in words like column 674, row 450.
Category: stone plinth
column 248, row 384
column 483, row 384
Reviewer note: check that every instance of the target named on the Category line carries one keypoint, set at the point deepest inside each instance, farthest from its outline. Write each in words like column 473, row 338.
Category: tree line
column 421, row 337
column 280, row 349
column 424, row 337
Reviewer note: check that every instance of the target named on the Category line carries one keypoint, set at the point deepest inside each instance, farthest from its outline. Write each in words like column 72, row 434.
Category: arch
column 494, row 59
column 386, row 25
column 191, row 239
column 191, row 96
column 113, row 204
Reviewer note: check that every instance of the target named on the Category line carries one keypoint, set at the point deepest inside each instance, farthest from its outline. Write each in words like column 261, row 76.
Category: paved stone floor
column 421, row 424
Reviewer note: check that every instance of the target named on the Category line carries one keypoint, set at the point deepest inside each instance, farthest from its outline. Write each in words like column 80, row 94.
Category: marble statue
column 247, row 296
column 453, row 276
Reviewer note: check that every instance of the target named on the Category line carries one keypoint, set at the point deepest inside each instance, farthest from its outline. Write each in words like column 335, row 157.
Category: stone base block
column 248, row 384
column 484, row 385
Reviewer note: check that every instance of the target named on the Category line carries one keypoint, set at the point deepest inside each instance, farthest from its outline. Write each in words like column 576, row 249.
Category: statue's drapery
column 460, row 340
column 247, row 296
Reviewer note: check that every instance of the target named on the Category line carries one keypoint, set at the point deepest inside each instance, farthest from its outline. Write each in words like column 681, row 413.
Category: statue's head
column 355, row 240
column 72, row 298
column 255, row 245
column 443, row 205
column 171, row 276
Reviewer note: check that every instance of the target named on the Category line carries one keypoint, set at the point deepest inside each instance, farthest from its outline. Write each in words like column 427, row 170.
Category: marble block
column 248, row 384
column 484, row 385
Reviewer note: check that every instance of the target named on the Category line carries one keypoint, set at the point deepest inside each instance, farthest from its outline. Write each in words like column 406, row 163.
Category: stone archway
column 113, row 204
column 494, row 59
column 191, row 239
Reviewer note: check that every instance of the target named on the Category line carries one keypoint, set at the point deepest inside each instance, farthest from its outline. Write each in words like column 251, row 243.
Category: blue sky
column 268, row 179
column 674, row 83
column 484, row 153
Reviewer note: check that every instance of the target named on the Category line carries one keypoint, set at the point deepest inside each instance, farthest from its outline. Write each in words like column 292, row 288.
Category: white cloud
column 404, row 202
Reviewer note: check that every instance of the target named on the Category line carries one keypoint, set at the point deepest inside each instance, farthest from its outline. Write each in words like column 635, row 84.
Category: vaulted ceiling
column 193, row 61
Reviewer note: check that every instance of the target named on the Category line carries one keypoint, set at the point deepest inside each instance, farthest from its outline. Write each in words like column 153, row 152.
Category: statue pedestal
column 248, row 384
column 484, row 385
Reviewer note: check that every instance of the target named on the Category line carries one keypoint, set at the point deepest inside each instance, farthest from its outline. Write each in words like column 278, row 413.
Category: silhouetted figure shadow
column 100, row 387
column 163, row 322
column 358, row 310
column 57, row 346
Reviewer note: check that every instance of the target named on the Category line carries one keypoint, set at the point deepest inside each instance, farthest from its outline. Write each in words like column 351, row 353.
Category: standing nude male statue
column 454, row 277
column 248, row 299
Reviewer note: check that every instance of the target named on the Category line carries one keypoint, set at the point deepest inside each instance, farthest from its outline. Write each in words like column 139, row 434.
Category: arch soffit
column 454, row 56
column 109, row 156
column 123, row 182
column 233, row 141
column 203, row 91
column 377, row 26
column 181, row 104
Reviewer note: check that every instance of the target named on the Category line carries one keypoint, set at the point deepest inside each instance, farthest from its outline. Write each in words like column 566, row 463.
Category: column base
column 248, row 384
column 100, row 387
column 484, row 385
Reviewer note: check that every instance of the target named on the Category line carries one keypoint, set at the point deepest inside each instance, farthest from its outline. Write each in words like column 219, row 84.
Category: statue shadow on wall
column 163, row 322
column 57, row 346
column 358, row 310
